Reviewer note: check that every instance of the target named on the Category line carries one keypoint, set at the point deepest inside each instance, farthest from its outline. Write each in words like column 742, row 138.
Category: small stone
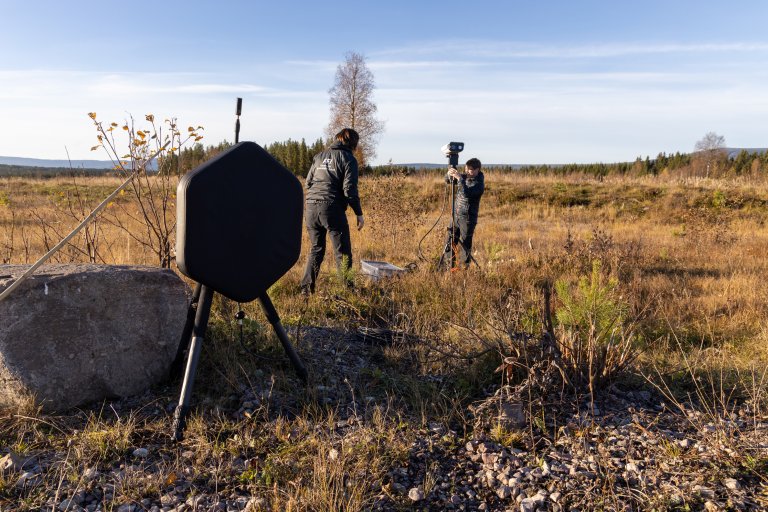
column 79, row 497
column 90, row 473
column 555, row 496
column 333, row 454
column 69, row 505
column 711, row 506
column 504, row 492
column 398, row 488
column 704, row 492
column 10, row 463
column 455, row 499
column 416, row 494
column 528, row 505
column 732, row 484
column 140, row 453
column 26, row 478
column 256, row 505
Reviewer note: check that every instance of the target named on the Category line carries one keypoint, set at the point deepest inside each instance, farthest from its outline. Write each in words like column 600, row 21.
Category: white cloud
column 518, row 50
column 510, row 102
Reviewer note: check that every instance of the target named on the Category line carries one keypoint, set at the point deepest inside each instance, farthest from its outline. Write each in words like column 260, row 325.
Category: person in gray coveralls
column 331, row 186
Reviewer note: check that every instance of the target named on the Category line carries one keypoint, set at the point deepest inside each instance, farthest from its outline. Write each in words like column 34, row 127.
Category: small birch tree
column 352, row 106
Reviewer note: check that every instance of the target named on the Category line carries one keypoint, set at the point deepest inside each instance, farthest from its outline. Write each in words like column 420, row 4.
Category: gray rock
column 533, row 503
column 27, row 479
column 504, row 492
column 704, row 492
column 11, row 463
column 72, row 334
column 528, row 505
column 512, row 415
column 416, row 494
column 69, row 505
column 256, row 505
column 90, row 473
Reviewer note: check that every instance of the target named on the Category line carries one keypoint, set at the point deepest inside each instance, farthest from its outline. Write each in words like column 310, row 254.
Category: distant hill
column 40, row 162
column 733, row 152
column 445, row 165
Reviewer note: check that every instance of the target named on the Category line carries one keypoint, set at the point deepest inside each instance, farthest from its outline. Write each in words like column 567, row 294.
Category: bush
column 595, row 339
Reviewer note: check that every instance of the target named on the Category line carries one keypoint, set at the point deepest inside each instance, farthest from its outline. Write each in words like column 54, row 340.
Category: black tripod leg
column 274, row 319
column 198, row 335
column 186, row 335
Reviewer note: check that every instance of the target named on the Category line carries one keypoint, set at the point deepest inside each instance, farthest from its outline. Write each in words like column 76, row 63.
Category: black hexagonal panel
column 239, row 222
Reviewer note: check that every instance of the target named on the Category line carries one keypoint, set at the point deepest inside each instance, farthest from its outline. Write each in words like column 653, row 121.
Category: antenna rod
column 237, row 123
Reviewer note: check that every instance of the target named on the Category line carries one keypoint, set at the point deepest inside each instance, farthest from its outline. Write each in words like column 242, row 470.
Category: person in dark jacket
column 470, row 186
column 331, row 186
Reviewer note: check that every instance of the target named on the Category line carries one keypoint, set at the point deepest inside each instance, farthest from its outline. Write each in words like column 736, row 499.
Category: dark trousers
column 322, row 219
column 458, row 244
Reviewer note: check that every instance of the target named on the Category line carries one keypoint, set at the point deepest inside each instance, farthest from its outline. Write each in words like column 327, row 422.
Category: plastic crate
column 378, row 269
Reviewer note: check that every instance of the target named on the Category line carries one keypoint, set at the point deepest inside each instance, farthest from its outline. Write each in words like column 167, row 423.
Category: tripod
column 206, row 222
column 450, row 248
column 193, row 337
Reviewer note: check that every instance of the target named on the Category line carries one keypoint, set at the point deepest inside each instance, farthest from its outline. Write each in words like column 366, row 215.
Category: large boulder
column 72, row 334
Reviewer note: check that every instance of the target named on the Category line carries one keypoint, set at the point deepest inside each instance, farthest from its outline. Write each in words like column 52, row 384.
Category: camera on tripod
column 452, row 150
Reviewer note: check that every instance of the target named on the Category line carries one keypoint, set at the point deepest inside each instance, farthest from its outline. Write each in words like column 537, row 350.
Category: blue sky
column 517, row 81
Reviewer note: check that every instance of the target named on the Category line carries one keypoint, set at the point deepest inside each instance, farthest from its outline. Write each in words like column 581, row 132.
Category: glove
column 360, row 222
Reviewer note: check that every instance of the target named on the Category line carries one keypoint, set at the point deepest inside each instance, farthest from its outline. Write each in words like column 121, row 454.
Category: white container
column 378, row 269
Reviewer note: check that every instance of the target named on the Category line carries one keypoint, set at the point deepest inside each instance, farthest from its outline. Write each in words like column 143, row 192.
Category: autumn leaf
column 92, row 115
column 171, row 478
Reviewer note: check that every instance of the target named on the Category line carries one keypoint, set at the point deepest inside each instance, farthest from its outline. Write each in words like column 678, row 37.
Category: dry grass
column 686, row 257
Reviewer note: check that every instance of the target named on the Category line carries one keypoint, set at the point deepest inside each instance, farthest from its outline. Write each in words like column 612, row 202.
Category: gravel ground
column 629, row 450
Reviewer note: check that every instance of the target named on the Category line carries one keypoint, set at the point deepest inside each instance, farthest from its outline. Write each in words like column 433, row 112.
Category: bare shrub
column 393, row 209
column 154, row 185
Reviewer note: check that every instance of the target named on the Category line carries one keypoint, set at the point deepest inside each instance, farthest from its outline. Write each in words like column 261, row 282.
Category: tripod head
column 452, row 150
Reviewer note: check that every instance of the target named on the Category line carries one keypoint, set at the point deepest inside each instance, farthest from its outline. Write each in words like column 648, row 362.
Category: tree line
column 715, row 164
column 297, row 155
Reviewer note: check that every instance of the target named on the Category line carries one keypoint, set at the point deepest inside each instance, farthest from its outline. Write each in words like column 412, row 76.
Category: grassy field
column 649, row 283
